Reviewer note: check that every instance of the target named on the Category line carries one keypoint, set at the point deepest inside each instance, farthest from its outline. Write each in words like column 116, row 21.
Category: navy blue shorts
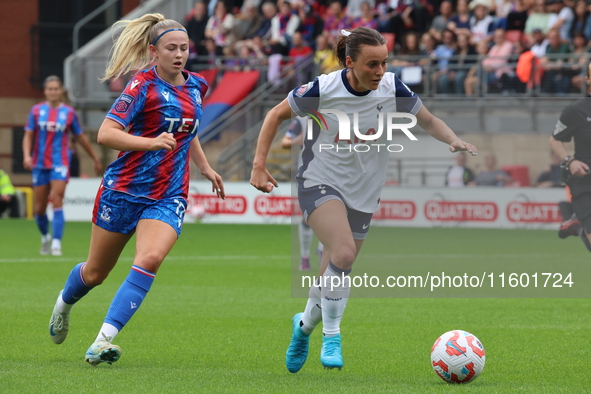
column 311, row 198
column 120, row 212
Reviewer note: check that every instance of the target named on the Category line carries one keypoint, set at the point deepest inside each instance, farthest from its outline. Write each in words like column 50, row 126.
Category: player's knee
column 150, row 261
column 57, row 200
column 94, row 278
column 344, row 256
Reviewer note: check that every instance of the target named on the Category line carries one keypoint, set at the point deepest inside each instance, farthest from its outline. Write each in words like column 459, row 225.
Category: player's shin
column 42, row 223
column 74, row 289
column 313, row 313
column 58, row 223
column 336, row 286
column 129, row 297
column 305, row 234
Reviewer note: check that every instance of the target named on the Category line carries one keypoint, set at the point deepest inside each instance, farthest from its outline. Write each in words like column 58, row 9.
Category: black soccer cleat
column 570, row 227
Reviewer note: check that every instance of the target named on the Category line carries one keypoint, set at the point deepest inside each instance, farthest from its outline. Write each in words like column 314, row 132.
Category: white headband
column 345, row 32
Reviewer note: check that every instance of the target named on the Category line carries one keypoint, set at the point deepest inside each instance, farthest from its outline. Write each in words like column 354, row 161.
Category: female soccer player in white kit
column 339, row 182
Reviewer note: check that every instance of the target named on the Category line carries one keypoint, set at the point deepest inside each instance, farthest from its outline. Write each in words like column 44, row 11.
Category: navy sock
column 42, row 223
column 58, row 223
column 75, row 287
column 129, row 297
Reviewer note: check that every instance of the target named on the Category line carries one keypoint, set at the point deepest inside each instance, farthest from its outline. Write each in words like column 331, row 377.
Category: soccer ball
column 458, row 357
column 196, row 212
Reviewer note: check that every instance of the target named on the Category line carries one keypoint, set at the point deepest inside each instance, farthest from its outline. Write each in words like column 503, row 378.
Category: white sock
column 334, row 300
column 56, row 244
column 46, row 237
column 62, row 307
column 107, row 330
column 313, row 313
column 305, row 233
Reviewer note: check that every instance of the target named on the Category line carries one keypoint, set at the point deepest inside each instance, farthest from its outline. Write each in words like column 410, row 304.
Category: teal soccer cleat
column 331, row 355
column 297, row 352
column 102, row 351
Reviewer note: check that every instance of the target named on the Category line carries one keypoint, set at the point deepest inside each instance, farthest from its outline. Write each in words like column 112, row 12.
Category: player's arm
column 27, row 148
column 440, row 131
column 259, row 176
column 198, row 157
column 82, row 139
column 111, row 134
column 576, row 167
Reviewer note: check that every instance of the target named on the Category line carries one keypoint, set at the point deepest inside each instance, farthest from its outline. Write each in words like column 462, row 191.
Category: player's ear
column 349, row 62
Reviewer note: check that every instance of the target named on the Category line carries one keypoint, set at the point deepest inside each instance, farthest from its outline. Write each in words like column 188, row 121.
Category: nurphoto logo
column 372, row 139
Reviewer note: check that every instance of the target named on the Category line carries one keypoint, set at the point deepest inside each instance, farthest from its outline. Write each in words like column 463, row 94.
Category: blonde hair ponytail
column 131, row 50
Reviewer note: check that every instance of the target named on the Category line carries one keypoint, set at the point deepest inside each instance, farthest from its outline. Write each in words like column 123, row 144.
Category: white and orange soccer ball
column 458, row 357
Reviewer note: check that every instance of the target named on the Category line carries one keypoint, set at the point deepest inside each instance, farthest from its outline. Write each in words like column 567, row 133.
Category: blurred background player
column 144, row 191
column 46, row 153
column 338, row 204
column 574, row 124
column 294, row 136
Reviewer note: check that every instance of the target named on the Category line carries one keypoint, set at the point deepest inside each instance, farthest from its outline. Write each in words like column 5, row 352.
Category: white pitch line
column 62, row 259
column 281, row 257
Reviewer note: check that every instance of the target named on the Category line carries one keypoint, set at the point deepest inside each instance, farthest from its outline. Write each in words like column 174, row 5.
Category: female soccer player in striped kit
column 46, row 153
column 339, row 188
column 144, row 190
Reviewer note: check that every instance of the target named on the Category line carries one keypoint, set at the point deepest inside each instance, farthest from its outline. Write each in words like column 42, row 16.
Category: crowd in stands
column 460, row 174
column 460, row 46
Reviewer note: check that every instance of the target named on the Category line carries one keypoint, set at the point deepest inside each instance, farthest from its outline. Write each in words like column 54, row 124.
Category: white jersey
column 356, row 167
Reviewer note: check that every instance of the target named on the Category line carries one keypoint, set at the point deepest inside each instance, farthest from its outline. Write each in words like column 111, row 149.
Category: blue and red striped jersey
column 50, row 127
column 150, row 106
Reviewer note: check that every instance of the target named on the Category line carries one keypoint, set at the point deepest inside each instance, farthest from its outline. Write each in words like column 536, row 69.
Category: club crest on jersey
column 134, row 84
column 124, row 102
column 198, row 99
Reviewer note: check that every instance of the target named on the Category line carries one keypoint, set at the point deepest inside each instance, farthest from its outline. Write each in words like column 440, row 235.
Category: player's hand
column 28, row 163
column 164, row 141
column 262, row 180
column 578, row 168
column 98, row 167
column 217, row 185
column 459, row 146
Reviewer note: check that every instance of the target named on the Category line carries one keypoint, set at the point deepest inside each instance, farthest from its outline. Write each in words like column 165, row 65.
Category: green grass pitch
column 218, row 319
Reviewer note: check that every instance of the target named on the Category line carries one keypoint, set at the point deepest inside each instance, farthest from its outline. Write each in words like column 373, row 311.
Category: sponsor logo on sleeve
column 124, row 103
